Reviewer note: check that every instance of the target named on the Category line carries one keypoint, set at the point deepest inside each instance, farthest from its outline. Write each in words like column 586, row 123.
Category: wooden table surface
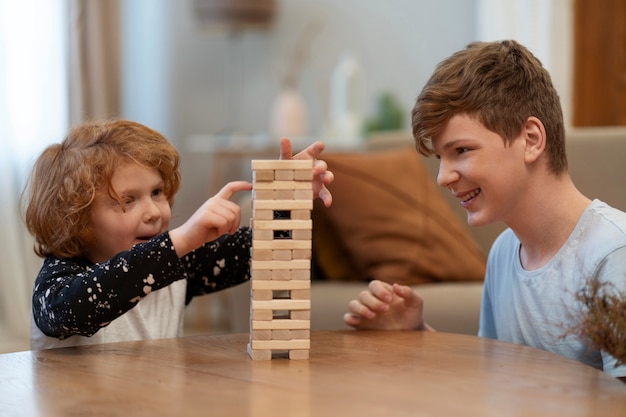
column 349, row 373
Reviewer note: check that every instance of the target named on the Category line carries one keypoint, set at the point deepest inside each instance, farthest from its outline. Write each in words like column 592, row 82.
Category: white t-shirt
column 159, row 315
column 535, row 308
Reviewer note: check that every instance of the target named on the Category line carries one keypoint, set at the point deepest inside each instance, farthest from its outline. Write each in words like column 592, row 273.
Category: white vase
column 347, row 91
column 288, row 115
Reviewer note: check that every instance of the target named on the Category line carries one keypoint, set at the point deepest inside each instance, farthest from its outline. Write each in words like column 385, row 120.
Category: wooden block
column 288, row 324
column 281, row 322
column 260, row 274
column 277, row 285
column 259, row 354
column 301, row 315
column 282, row 205
column 264, row 295
column 284, row 174
column 263, row 315
column 301, row 254
column 282, row 244
column 299, row 354
column 262, row 254
column 283, row 185
column 302, row 234
column 303, row 174
column 301, row 274
column 263, row 175
column 295, row 264
column 300, row 214
column 300, row 294
column 276, row 164
column 301, row 334
column 264, row 195
column 281, row 305
column 282, row 224
column 281, row 275
column 302, row 194
column 281, row 344
column 287, row 194
column 280, row 255
column 264, row 334
column 279, row 334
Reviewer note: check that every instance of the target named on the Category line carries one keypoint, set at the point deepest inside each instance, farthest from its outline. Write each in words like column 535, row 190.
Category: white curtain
column 94, row 63
column 33, row 113
column 544, row 26
column 59, row 65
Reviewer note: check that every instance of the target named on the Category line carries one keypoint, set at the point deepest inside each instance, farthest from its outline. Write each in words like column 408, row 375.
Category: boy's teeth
column 470, row 195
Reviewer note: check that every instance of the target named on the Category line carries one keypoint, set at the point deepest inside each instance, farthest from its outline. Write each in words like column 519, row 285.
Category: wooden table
column 349, row 373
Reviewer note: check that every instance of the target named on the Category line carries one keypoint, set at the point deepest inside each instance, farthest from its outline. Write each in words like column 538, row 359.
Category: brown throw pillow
column 388, row 221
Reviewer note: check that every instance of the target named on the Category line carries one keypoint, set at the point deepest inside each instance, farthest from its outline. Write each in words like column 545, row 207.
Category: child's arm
column 73, row 297
column 217, row 265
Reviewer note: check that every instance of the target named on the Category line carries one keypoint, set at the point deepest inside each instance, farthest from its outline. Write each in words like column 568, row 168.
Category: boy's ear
column 535, row 135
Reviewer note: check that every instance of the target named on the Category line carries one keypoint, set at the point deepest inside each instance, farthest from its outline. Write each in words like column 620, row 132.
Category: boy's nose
column 446, row 174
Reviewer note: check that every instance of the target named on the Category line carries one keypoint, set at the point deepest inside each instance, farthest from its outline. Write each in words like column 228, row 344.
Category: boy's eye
column 461, row 150
column 157, row 192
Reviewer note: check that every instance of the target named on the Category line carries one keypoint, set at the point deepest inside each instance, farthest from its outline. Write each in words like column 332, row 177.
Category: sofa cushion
column 388, row 221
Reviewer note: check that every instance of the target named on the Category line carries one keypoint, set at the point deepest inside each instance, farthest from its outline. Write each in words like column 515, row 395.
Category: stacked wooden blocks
column 280, row 306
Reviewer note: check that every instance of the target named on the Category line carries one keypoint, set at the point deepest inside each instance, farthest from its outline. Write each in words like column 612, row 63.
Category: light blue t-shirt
column 535, row 308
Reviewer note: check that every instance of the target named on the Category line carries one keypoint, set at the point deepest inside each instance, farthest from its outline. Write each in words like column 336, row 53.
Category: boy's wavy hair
column 67, row 176
column 501, row 84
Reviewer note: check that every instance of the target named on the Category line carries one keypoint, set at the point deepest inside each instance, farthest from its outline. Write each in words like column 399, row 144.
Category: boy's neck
column 556, row 213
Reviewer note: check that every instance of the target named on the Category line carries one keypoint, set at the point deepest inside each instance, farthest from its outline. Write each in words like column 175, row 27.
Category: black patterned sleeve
column 220, row 264
column 75, row 297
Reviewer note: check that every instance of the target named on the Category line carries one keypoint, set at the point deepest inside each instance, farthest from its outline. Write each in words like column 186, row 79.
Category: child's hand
column 321, row 175
column 216, row 217
column 387, row 307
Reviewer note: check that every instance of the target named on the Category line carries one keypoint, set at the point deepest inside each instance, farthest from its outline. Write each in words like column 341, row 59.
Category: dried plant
column 602, row 319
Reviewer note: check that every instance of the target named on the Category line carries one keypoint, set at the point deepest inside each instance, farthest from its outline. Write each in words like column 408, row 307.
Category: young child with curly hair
column 99, row 206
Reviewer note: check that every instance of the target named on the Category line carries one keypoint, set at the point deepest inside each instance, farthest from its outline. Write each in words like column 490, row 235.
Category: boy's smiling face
column 483, row 173
column 146, row 212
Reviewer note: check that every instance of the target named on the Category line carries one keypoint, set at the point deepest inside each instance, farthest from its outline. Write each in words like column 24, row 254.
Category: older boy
column 492, row 117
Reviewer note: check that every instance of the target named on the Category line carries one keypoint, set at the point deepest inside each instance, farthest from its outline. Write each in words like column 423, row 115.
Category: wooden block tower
column 280, row 299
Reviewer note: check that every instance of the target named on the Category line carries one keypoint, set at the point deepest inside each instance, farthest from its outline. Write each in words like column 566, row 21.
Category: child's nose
column 152, row 211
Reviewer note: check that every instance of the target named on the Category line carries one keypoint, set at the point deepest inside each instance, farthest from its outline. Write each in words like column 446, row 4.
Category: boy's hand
column 216, row 217
column 387, row 307
column 321, row 175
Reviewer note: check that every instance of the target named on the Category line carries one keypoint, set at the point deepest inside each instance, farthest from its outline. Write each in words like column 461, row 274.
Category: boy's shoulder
column 601, row 230
column 602, row 214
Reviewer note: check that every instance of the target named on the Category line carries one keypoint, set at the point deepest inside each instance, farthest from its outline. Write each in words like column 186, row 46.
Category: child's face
column 483, row 173
column 147, row 212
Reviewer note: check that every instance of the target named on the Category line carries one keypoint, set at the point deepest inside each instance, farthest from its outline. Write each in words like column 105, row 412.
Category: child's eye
column 461, row 150
column 157, row 192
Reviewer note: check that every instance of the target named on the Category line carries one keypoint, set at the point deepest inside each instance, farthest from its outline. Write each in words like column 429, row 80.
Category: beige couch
column 596, row 165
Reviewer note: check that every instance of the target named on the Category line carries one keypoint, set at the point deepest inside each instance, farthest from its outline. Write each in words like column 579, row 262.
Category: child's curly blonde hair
column 67, row 176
